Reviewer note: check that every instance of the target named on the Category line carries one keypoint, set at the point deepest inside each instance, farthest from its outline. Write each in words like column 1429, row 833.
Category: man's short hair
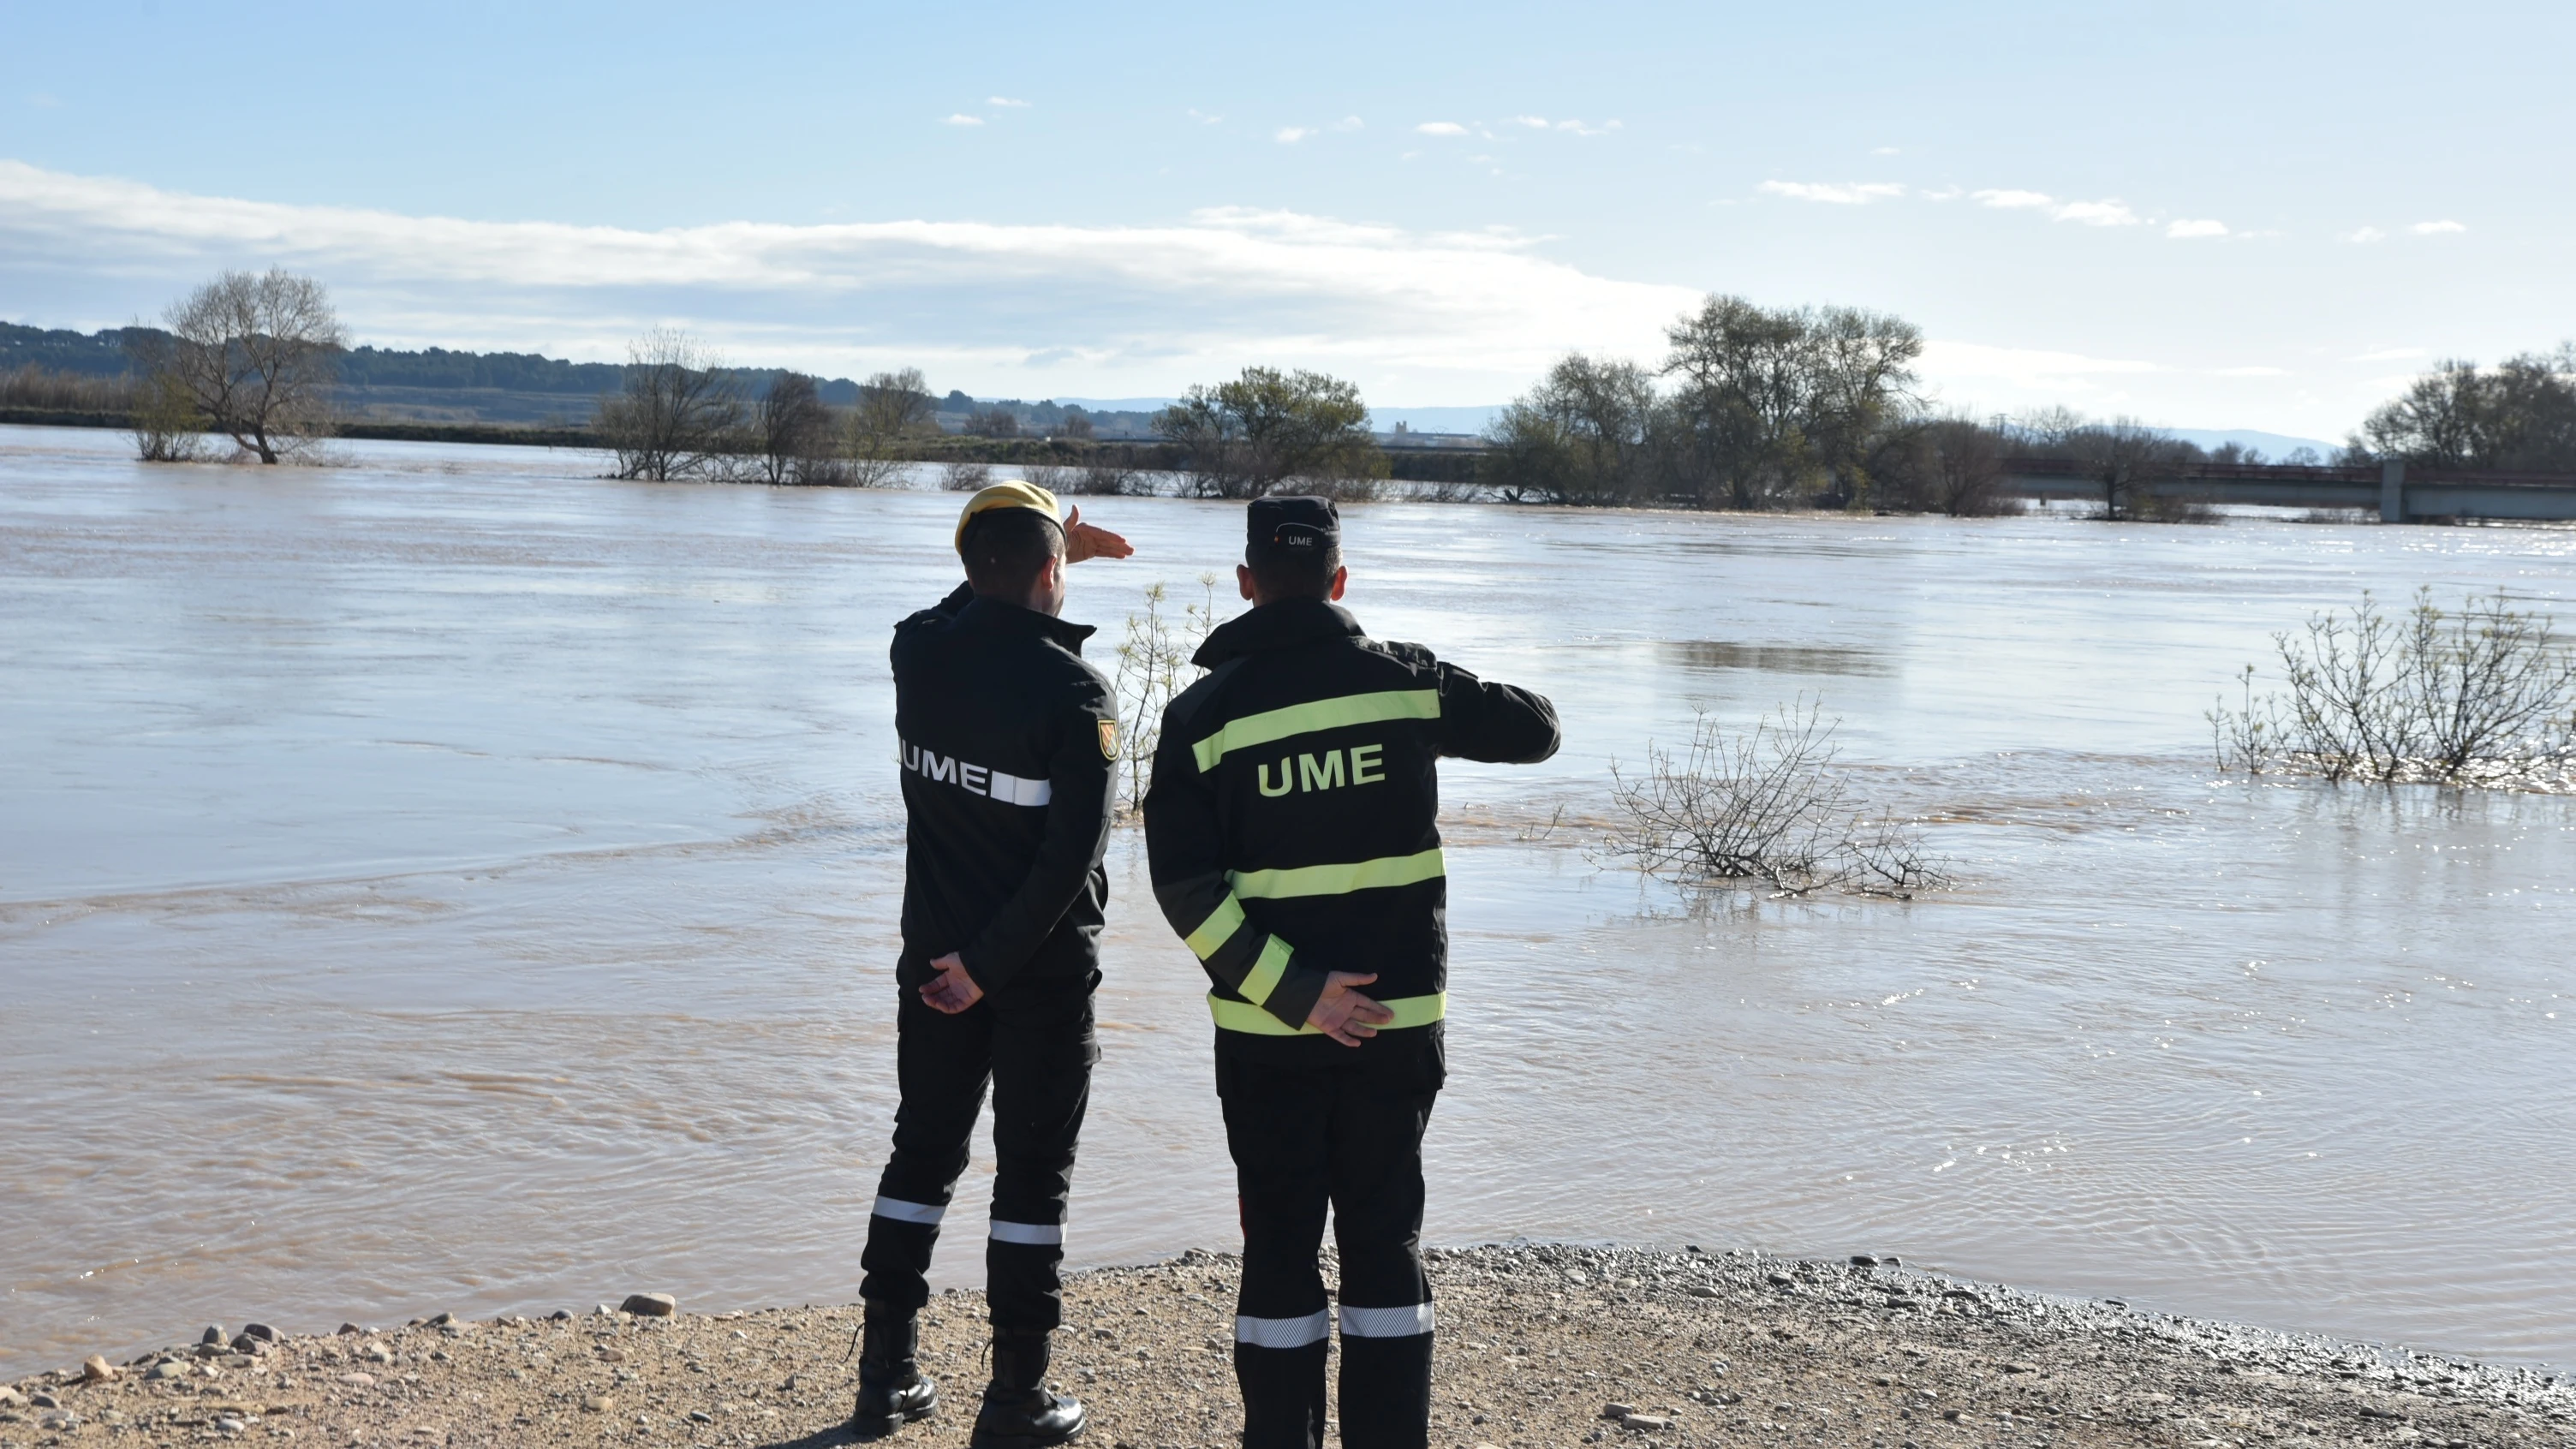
column 1007, row 551
column 1307, row 575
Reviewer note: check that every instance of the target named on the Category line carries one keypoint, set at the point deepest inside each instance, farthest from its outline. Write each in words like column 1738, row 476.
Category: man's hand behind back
column 952, row 990
column 1345, row 1015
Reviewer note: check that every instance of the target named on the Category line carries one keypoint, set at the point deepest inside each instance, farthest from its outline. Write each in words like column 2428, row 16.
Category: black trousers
column 1033, row 1042
column 1302, row 1140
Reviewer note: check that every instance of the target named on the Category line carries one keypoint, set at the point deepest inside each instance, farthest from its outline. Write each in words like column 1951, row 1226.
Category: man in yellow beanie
column 1008, row 743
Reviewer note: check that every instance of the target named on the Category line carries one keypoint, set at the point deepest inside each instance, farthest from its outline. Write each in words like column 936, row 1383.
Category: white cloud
column 1349, row 123
column 2436, row 228
column 1441, row 128
column 962, row 119
column 1534, row 122
column 2388, row 354
column 2112, row 212
column 1885, row 151
column 1005, row 101
column 2365, row 235
column 1462, row 317
column 2017, row 200
column 1203, row 118
column 2249, row 372
column 1839, row 193
column 2097, row 213
column 1580, row 129
column 2191, row 230
column 1291, row 135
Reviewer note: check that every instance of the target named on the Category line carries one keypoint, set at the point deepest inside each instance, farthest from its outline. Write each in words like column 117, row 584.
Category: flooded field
column 451, row 881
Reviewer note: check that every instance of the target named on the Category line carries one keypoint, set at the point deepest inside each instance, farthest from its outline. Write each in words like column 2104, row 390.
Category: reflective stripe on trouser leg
column 1282, row 1326
column 1386, row 1322
column 941, row 1063
column 1282, row 1332
column 1043, row 1050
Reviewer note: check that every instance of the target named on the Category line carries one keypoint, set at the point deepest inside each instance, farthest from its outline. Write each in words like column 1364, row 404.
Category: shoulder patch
column 1109, row 739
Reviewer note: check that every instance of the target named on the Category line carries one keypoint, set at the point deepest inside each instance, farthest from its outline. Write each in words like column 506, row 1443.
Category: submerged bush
column 2485, row 696
column 1764, row 805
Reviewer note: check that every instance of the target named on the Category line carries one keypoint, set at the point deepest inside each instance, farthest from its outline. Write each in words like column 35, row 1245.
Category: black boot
column 1019, row 1411
column 892, row 1391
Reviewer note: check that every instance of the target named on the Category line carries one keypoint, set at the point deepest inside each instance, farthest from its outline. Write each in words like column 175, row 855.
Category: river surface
column 452, row 881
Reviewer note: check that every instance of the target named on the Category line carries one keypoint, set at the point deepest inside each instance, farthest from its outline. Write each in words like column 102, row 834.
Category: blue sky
column 2240, row 215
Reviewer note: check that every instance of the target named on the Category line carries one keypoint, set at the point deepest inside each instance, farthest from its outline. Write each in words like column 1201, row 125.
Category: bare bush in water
column 965, row 477
column 1154, row 666
column 2482, row 697
column 1764, row 804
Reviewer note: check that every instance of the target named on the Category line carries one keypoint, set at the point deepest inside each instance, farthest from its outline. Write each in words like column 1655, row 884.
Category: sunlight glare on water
column 451, row 881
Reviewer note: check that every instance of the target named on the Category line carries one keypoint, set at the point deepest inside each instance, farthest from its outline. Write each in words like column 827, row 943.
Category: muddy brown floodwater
column 450, row 881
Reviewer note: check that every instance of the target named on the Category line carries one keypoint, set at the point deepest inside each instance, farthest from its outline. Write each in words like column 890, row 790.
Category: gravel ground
column 1540, row 1347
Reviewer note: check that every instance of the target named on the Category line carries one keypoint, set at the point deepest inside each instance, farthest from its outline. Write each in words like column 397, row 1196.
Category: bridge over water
column 2400, row 493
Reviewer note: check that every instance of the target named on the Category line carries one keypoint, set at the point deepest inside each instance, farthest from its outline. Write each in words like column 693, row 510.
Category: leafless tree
column 678, row 413
column 1075, row 424
column 254, row 355
column 2124, row 456
column 796, row 430
column 893, row 406
column 993, row 422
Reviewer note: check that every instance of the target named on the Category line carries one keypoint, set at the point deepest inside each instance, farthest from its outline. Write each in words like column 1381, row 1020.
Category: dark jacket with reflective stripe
column 1006, row 742
column 1293, row 819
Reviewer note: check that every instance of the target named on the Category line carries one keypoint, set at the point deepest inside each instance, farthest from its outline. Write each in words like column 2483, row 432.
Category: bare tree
column 678, row 413
column 253, row 355
column 1075, row 424
column 893, row 406
column 993, row 422
column 796, row 433
column 166, row 426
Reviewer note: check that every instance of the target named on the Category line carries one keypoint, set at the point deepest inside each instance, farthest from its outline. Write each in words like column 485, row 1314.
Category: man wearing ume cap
column 1008, row 743
column 1293, row 829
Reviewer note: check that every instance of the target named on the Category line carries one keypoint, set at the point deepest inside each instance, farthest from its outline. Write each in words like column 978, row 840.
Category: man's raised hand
column 1083, row 540
column 1345, row 1015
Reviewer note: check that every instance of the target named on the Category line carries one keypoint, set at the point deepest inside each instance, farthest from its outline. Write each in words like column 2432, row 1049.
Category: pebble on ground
column 1540, row 1347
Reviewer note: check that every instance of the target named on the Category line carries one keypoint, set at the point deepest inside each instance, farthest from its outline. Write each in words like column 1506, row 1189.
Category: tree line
column 1749, row 407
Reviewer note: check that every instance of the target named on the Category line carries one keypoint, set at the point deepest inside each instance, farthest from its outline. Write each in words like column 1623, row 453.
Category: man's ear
column 1341, row 580
column 1243, row 579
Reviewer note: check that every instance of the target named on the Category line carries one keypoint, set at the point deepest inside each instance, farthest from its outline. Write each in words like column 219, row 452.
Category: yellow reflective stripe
column 1218, row 928
column 1335, row 880
column 1252, row 1020
column 1322, row 714
column 1264, row 976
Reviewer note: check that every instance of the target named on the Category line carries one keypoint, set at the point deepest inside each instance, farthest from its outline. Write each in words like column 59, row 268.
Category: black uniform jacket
column 1007, row 741
column 1293, row 821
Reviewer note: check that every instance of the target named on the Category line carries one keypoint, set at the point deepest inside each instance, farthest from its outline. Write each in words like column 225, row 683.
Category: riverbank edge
column 1540, row 1344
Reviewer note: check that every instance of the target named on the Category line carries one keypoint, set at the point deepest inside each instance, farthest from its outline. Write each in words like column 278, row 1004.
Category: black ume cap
column 1291, row 526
